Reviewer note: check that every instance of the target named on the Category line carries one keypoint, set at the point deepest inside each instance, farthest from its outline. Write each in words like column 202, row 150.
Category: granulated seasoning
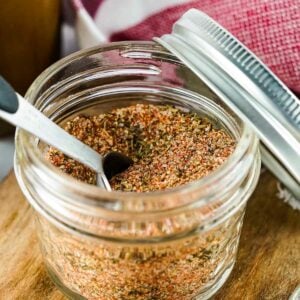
column 169, row 147
column 178, row 270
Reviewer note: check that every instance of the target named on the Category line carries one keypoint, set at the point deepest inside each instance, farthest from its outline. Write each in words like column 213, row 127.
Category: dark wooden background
column 29, row 41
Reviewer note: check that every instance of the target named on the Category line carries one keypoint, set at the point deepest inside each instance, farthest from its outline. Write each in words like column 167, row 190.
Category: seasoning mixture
column 178, row 270
column 169, row 147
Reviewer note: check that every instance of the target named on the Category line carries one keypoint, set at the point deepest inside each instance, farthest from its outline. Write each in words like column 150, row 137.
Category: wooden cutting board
column 268, row 263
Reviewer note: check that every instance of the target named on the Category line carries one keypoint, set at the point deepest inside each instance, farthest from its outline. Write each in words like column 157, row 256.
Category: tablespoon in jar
column 19, row 112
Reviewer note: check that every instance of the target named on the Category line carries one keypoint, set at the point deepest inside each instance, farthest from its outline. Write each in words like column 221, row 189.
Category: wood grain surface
column 268, row 263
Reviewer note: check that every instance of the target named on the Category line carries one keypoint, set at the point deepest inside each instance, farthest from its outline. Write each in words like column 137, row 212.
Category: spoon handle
column 19, row 112
column 8, row 98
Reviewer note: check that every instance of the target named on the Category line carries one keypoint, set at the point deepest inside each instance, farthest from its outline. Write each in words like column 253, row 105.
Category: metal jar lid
column 246, row 85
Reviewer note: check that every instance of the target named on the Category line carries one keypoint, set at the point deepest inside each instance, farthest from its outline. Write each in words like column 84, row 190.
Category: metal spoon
column 19, row 112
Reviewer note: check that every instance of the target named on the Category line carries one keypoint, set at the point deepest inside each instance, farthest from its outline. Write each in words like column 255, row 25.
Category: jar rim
column 25, row 141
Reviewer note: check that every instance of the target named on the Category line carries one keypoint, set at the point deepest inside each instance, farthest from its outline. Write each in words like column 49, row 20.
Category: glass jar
column 174, row 244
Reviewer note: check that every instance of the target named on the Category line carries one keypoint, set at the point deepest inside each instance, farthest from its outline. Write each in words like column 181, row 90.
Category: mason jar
column 179, row 243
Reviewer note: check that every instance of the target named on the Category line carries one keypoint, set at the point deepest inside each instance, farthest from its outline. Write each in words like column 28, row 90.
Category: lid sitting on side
column 246, row 85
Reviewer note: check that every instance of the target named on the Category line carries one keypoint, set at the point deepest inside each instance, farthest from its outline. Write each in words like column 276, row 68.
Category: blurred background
column 29, row 39
column 29, row 42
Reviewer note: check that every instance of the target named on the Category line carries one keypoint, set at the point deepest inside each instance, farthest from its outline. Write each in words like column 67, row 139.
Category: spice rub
column 169, row 147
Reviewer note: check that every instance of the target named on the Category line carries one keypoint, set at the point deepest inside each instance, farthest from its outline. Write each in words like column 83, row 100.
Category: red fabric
column 92, row 6
column 269, row 28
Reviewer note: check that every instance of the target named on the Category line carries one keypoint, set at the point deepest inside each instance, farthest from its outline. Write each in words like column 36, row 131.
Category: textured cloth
column 271, row 29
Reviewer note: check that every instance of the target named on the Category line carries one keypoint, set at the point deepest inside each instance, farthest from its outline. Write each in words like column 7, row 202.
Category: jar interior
column 103, row 99
column 127, row 75
column 121, row 74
